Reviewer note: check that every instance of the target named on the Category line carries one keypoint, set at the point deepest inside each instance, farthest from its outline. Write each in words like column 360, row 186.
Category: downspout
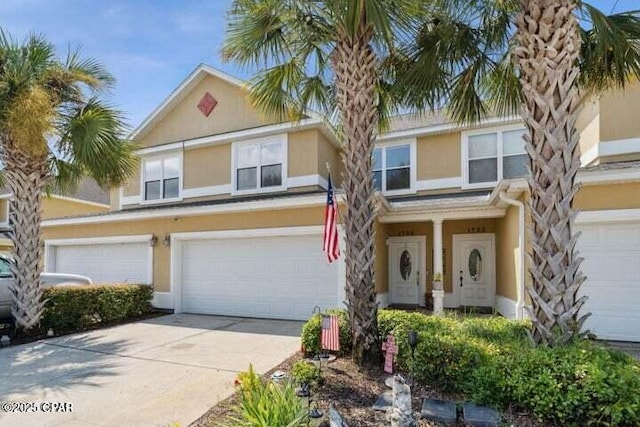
column 523, row 253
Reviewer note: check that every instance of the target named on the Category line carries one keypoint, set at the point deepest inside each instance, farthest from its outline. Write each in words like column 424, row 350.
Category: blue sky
column 149, row 45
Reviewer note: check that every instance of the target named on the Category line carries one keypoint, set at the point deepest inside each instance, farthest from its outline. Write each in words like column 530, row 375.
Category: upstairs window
column 493, row 156
column 259, row 166
column 392, row 168
column 162, row 179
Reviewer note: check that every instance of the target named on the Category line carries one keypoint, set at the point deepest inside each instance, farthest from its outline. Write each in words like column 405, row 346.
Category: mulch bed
column 352, row 391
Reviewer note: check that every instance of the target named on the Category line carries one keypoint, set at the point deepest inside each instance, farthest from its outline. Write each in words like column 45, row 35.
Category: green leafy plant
column 311, row 333
column 305, row 372
column 264, row 403
column 75, row 308
column 492, row 361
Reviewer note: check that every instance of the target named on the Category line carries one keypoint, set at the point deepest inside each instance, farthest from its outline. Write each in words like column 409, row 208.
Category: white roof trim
column 195, row 77
column 254, row 205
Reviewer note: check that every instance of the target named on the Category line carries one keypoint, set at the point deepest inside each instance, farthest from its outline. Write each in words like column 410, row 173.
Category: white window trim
column 173, row 154
column 281, row 138
column 464, row 149
column 413, row 165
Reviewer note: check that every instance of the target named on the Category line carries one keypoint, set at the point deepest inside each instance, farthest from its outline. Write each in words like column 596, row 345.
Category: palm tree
column 54, row 129
column 330, row 55
column 544, row 67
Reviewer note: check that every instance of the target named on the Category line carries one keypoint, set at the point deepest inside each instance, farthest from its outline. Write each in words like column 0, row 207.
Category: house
column 88, row 198
column 225, row 214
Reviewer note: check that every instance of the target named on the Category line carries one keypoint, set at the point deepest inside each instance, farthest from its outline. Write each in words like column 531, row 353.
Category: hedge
column 491, row 360
column 311, row 333
column 74, row 308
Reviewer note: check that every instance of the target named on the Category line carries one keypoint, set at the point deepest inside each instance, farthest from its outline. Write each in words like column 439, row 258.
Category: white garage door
column 612, row 265
column 104, row 262
column 269, row 277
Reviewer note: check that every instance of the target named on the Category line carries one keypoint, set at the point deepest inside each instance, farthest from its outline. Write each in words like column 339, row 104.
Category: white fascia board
column 139, row 238
column 255, row 205
column 448, row 127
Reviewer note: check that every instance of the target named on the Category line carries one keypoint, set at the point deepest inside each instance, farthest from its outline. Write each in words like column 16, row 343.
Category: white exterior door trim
column 422, row 241
column 457, row 239
column 177, row 240
column 50, row 245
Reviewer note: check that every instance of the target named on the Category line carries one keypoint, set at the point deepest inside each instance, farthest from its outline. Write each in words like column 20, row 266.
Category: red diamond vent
column 207, row 104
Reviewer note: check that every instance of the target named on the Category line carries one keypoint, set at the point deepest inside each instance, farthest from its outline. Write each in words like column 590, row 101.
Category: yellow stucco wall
column 207, row 166
column 604, row 197
column 164, row 226
column 303, row 153
column 132, row 188
column 58, row 208
column 439, row 156
column 382, row 263
column 588, row 124
column 185, row 121
column 329, row 154
column 507, row 254
column 619, row 113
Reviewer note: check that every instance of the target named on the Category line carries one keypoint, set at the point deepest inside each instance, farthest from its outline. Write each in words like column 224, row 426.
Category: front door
column 406, row 269
column 474, row 269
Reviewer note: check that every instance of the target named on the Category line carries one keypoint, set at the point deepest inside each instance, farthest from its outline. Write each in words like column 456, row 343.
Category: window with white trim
column 259, row 166
column 161, row 178
column 493, row 156
column 392, row 168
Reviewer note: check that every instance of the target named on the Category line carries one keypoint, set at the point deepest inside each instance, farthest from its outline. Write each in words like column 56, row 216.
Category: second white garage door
column 108, row 261
column 611, row 253
column 278, row 277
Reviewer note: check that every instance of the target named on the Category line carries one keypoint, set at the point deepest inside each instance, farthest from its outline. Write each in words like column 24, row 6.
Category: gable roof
column 179, row 93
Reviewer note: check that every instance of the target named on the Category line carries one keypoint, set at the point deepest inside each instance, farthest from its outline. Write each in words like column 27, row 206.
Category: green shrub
column 74, row 308
column 305, row 372
column 491, row 360
column 311, row 333
column 264, row 403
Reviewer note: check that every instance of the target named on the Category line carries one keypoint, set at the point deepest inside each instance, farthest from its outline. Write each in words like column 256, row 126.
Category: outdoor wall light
column 153, row 241
column 167, row 240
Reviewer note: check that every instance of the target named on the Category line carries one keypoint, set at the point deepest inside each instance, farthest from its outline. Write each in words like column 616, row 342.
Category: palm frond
column 92, row 138
column 610, row 49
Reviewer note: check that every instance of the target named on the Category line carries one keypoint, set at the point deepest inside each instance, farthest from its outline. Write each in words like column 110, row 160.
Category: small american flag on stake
column 330, row 335
column 330, row 237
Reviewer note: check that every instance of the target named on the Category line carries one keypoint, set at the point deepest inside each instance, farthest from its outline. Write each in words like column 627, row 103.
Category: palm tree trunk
column 354, row 64
column 548, row 48
column 26, row 177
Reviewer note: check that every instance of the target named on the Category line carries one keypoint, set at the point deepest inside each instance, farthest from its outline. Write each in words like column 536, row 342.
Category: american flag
column 330, row 335
column 330, row 238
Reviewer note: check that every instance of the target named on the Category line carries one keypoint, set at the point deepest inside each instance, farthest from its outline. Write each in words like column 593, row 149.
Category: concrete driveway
column 149, row 373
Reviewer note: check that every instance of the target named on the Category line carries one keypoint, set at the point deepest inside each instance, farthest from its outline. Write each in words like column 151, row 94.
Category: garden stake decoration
column 390, row 350
column 412, row 337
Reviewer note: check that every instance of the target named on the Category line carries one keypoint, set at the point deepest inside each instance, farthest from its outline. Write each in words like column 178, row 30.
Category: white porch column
column 438, row 279
column 437, row 247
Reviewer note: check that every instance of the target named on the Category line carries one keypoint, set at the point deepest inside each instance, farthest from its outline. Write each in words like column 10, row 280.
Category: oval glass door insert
column 405, row 265
column 475, row 264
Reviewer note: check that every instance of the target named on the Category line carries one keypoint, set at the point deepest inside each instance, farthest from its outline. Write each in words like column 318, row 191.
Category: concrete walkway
column 149, row 373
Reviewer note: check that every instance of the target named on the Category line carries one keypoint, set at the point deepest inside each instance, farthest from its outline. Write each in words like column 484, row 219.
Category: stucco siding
column 507, row 254
column 132, row 187
column 382, row 264
column 439, row 156
column 233, row 112
column 619, row 113
column 302, row 153
column 329, row 154
column 207, row 166
column 588, row 124
column 604, row 197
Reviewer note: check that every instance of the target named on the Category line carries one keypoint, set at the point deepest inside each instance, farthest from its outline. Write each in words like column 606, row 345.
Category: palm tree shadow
column 46, row 368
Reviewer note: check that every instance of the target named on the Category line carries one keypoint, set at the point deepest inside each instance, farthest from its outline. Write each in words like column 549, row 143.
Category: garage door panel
column 611, row 263
column 270, row 277
column 104, row 263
